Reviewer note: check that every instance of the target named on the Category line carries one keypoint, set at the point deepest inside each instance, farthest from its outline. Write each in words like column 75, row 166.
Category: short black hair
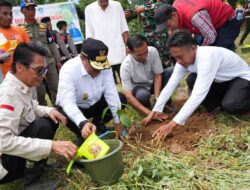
column 136, row 41
column 5, row 4
column 25, row 52
column 60, row 24
column 45, row 19
column 181, row 38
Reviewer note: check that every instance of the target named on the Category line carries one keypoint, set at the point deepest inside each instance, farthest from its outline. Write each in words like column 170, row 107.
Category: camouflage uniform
column 38, row 33
column 158, row 40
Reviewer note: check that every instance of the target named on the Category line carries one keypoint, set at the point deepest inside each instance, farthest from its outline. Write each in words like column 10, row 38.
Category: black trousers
column 246, row 32
column 232, row 96
column 227, row 34
column 95, row 112
column 42, row 128
column 142, row 94
column 116, row 69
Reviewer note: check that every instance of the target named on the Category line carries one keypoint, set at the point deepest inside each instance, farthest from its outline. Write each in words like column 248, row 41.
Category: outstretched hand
column 163, row 131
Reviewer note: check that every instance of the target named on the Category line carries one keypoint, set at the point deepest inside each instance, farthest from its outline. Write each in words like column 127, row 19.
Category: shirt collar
column 19, row 84
column 82, row 68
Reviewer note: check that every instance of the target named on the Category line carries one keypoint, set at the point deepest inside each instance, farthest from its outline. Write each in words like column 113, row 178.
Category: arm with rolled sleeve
column 68, row 101
column 177, row 76
column 10, row 143
column 205, row 76
column 110, row 93
column 88, row 25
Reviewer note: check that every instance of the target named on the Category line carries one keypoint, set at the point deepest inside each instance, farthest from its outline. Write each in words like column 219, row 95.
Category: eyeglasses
column 40, row 70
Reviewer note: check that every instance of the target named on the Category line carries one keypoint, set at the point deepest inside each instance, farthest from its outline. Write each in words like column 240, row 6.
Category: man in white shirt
column 223, row 81
column 105, row 20
column 26, row 128
column 86, row 88
column 142, row 74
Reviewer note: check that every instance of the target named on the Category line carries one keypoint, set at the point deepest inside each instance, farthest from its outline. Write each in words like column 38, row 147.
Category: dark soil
column 184, row 138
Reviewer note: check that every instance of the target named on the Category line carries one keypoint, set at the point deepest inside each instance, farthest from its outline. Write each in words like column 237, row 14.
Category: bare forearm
column 137, row 105
column 125, row 37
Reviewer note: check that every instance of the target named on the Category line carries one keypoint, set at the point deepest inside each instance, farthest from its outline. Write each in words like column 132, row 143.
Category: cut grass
column 221, row 161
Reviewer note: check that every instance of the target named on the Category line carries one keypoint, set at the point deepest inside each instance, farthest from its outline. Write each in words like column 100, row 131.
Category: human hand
column 59, row 66
column 57, row 116
column 139, row 9
column 163, row 131
column 159, row 116
column 120, row 129
column 147, row 119
column 88, row 129
column 128, row 13
column 64, row 148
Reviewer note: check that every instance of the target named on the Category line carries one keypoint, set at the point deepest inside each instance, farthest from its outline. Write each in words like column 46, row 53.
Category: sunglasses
column 40, row 70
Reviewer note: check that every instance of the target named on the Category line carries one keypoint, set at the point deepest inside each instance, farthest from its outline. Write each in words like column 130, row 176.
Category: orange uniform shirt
column 14, row 35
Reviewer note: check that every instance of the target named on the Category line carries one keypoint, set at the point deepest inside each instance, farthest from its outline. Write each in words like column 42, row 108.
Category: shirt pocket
column 28, row 116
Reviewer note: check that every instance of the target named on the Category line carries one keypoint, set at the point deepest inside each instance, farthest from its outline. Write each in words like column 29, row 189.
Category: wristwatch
column 82, row 123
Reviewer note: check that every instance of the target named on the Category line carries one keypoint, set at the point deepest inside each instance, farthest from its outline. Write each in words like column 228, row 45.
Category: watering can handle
column 68, row 170
column 104, row 134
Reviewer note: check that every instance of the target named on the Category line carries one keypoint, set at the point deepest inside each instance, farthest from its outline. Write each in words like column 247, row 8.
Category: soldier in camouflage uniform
column 158, row 40
column 38, row 33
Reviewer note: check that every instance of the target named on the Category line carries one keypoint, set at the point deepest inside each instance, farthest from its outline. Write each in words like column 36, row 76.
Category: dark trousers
column 246, row 32
column 42, row 128
column 227, row 34
column 232, row 96
column 116, row 69
column 95, row 112
column 142, row 94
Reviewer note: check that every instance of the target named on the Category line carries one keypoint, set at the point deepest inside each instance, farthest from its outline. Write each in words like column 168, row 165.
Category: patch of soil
column 183, row 139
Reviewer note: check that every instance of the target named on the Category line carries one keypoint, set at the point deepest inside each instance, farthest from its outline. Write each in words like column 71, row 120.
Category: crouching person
column 26, row 128
column 86, row 88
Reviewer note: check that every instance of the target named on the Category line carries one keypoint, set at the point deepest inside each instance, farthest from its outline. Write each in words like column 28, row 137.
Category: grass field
column 218, row 158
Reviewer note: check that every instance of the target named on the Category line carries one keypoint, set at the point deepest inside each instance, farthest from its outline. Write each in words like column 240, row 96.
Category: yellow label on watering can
column 93, row 147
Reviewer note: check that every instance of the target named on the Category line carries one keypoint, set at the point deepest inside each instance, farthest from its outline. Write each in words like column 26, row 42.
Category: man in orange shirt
column 10, row 35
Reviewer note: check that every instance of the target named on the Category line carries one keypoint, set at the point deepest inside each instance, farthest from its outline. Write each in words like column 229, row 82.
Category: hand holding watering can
column 92, row 148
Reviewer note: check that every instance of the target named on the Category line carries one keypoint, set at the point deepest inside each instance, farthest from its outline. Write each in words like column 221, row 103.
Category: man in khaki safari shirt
column 26, row 128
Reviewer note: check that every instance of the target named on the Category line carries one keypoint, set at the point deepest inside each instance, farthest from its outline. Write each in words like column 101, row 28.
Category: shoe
column 42, row 184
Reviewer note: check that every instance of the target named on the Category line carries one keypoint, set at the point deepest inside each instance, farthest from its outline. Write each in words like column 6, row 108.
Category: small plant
column 123, row 117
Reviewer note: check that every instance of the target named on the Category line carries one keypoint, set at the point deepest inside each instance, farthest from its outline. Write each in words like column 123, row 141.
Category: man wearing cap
column 26, row 128
column 155, row 39
column 86, row 88
column 38, row 33
column 215, row 20
column 10, row 37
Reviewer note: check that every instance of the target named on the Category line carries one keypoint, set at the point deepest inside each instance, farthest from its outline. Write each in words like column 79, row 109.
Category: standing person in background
column 67, row 40
column 155, row 39
column 215, row 20
column 105, row 21
column 10, row 37
column 247, row 19
column 38, row 33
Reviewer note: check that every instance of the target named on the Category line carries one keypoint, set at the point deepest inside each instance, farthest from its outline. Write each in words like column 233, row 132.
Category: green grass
column 221, row 161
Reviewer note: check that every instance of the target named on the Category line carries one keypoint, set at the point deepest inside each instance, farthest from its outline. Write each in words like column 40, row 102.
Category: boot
column 32, row 177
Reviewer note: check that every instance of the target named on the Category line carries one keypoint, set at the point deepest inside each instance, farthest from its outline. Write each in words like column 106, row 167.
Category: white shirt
column 77, row 88
column 212, row 64
column 107, row 26
column 17, row 112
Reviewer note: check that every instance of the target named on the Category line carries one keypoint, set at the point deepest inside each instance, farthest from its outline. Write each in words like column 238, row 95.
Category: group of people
column 218, row 78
